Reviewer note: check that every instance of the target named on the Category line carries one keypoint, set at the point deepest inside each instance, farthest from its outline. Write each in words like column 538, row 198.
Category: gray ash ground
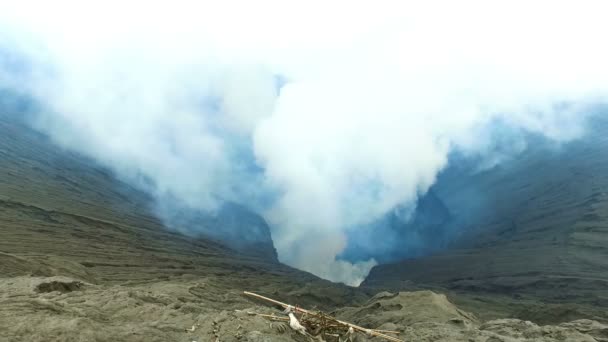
column 202, row 309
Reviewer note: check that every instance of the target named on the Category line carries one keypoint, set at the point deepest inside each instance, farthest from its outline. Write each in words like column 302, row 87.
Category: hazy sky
column 376, row 94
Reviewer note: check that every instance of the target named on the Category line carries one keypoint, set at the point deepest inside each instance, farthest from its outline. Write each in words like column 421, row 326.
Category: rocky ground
column 214, row 309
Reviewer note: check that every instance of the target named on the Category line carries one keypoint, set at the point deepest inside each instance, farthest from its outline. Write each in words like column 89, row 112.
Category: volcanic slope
column 82, row 258
column 534, row 228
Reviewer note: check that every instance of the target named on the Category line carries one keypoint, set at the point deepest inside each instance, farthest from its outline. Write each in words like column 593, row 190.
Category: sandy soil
column 201, row 309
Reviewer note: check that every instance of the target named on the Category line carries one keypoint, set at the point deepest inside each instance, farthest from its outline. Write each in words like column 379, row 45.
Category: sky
column 322, row 116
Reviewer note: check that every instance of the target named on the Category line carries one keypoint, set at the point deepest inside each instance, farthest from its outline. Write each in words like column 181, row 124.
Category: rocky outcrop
column 405, row 234
column 428, row 316
column 232, row 225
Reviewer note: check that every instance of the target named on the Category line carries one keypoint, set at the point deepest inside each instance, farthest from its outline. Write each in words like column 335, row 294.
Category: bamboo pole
column 285, row 319
column 350, row 325
column 387, row 331
column 277, row 318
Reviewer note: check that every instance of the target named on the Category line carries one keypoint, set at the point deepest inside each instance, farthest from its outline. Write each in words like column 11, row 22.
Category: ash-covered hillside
column 83, row 257
column 535, row 226
column 62, row 215
column 51, row 183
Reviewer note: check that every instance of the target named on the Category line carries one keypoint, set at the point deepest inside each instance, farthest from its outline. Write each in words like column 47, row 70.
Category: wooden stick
column 278, row 318
column 268, row 299
column 355, row 327
column 376, row 330
column 387, row 331
column 269, row 316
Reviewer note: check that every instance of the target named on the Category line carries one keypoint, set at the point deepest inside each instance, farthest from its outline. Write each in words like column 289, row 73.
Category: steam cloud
column 321, row 116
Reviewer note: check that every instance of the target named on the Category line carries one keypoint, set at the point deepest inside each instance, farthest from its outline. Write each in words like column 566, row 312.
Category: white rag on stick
column 293, row 321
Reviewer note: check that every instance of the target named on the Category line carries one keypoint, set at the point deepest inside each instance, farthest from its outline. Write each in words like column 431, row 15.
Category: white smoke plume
column 321, row 115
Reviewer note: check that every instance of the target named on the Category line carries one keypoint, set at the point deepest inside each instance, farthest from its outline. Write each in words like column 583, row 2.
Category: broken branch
column 371, row 332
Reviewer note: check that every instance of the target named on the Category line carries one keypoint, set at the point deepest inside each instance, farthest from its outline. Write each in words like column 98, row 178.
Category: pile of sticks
column 318, row 323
